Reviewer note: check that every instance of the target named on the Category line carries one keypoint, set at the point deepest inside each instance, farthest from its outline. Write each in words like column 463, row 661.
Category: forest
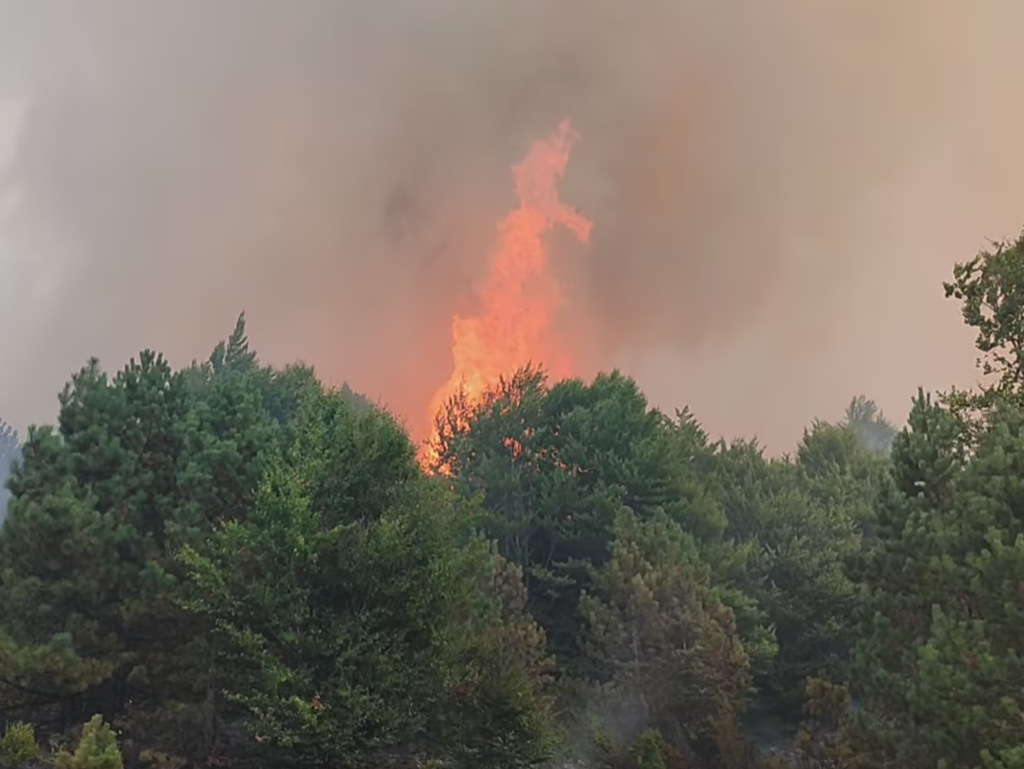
column 234, row 565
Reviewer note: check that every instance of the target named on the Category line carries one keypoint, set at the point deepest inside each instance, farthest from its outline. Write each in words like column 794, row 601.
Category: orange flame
column 520, row 297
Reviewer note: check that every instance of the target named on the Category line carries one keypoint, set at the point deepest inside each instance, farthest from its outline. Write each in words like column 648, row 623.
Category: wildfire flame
column 520, row 297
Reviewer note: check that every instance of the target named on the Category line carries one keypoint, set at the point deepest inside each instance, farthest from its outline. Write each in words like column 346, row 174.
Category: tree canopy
column 233, row 564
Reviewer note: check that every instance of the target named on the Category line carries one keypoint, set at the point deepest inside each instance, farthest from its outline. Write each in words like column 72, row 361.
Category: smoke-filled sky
column 778, row 187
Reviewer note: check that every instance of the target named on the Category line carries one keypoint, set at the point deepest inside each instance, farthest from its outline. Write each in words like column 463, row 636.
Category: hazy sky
column 778, row 187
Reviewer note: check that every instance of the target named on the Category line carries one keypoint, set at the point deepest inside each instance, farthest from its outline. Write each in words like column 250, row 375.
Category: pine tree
column 795, row 535
column 140, row 465
column 940, row 669
column 356, row 624
column 663, row 642
column 97, row 749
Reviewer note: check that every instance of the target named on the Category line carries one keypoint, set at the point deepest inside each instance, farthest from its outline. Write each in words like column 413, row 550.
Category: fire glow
column 520, row 298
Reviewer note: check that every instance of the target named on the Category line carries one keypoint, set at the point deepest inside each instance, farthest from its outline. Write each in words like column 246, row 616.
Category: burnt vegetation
column 233, row 565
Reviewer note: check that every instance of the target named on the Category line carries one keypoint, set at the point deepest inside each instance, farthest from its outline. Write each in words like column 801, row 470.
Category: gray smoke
column 777, row 188
column 5, row 494
column 9, row 452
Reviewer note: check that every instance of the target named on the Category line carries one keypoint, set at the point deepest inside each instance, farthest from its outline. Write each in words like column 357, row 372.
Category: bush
column 97, row 749
column 650, row 750
column 18, row 746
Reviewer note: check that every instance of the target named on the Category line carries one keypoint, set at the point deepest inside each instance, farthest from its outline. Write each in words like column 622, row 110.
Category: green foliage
column 796, row 527
column 823, row 739
column 141, row 465
column 18, row 746
column 939, row 659
column 555, row 464
column 235, row 566
column 937, row 664
column 650, row 750
column 658, row 637
column 97, row 749
column 842, row 469
column 990, row 289
column 359, row 616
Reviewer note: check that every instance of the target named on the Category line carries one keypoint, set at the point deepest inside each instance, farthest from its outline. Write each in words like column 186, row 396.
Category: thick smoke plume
column 777, row 188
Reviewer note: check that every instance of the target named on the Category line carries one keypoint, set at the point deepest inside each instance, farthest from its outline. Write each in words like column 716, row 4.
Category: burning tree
column 518, row 302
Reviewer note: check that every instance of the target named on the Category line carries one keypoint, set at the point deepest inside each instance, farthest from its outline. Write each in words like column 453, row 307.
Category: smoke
column 9, row 453
column 777, row 187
